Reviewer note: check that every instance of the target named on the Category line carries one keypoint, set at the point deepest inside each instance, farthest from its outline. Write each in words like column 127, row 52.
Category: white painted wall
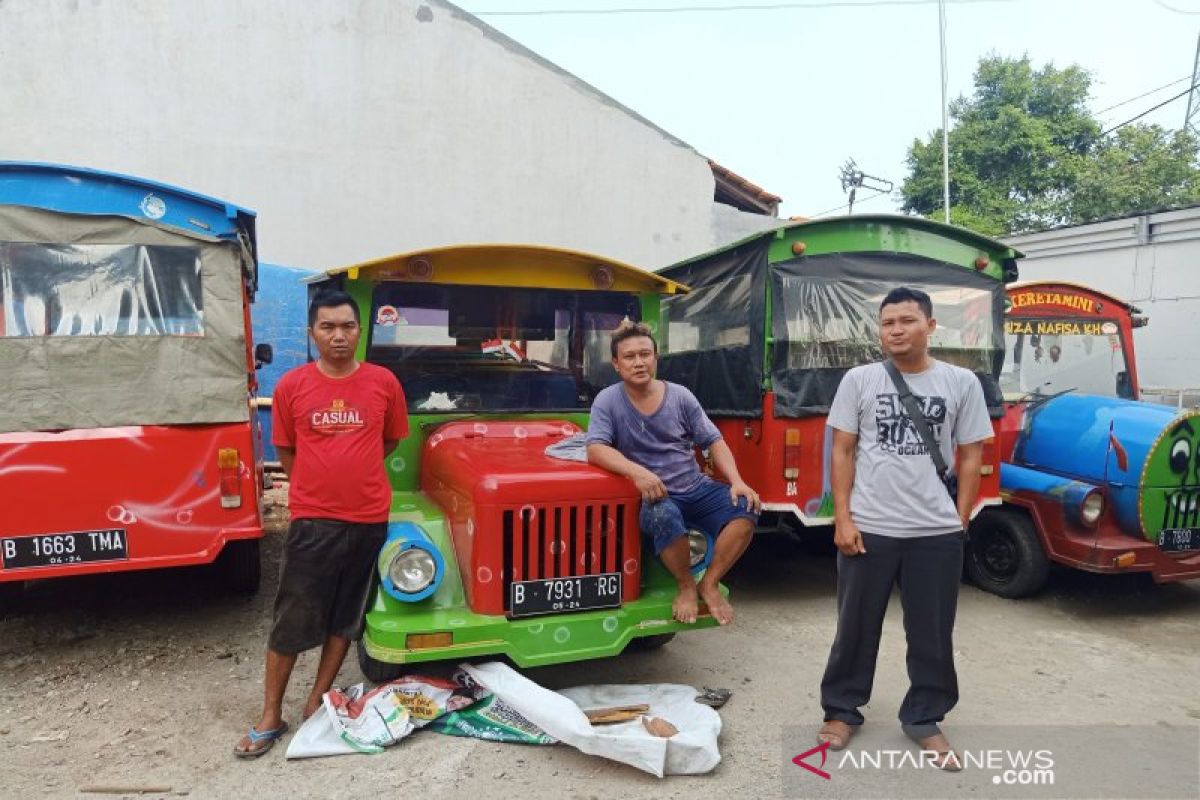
column 1152, row 261
column 356, row 128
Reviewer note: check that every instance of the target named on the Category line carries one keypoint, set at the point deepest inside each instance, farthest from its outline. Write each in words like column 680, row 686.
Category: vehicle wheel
column 10, row 596
column 377, row 671
column 650, row 642
column 240, row 566
column 1004, row 555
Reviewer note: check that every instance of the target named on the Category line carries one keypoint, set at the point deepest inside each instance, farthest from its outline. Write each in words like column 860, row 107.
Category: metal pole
column 945, row 115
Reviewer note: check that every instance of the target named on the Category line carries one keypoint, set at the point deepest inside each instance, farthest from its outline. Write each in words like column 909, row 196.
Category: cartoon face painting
column 1170, row 486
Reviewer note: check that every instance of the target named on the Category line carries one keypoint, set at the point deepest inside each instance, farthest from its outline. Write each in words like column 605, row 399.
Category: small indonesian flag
column 504, row 347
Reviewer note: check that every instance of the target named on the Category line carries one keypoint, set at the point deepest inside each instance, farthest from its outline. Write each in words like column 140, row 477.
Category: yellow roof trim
column 523, row 265
column 1031, row 284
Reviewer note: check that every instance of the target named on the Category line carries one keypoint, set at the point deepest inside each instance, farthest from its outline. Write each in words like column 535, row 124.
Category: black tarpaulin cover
column 711, row 339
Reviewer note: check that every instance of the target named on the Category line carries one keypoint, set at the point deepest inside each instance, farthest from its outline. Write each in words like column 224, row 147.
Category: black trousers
column 927, row 569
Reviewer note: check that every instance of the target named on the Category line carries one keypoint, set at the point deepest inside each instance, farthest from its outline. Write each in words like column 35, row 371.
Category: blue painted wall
column 278, row 317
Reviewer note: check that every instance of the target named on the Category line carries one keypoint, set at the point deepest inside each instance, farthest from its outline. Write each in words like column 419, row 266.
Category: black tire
column 240, row 566
column 377, row 671
column 10, row 596
column 1004, row 555
column 654, row 642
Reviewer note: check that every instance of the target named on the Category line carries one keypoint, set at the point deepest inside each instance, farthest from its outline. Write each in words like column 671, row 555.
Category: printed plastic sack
column 426, row 698
column 484, row 716
column 356, row 721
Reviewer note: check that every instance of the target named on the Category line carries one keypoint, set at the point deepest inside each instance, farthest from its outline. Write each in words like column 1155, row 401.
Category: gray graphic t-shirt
column 662, row 442
column 897, row 491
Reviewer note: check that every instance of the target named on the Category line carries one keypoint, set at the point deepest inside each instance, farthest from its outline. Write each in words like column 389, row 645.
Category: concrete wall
column 1152, row 261
column 356, row 128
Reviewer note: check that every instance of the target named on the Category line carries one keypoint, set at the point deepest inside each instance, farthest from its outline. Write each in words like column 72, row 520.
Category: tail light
column 230, row 476
column 791, row 454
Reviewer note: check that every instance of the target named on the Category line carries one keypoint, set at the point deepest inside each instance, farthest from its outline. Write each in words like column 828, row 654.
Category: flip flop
column 714, row 698
column 256, row 736
column 834, row 735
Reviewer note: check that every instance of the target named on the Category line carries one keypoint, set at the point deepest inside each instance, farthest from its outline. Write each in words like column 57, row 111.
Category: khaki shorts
column 327, row 577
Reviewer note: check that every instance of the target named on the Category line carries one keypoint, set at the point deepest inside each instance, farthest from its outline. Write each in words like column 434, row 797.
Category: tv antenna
column 854, row 178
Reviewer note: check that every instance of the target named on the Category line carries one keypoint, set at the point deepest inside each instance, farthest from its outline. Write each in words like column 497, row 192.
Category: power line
column 1143, row 94
column 1176, row 10
column 847, row 205
column 548, row 12
column 1148, row 110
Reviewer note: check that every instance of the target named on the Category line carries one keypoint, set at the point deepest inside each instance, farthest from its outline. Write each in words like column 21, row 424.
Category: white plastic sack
column 353, row 721
column 692, row 751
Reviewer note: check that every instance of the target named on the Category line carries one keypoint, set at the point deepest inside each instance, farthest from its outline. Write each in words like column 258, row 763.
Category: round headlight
column 412, row 570
column 1092, row 508
column 697, row 547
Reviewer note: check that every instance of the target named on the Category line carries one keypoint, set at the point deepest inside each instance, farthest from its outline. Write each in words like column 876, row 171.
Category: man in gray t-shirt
column 896, row 523
column 648, row 430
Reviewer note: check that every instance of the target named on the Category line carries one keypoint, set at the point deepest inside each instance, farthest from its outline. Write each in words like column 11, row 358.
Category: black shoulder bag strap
column 922, row 425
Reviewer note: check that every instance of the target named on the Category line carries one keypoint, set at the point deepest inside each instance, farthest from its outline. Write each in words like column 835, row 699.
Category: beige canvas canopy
column 108, row 321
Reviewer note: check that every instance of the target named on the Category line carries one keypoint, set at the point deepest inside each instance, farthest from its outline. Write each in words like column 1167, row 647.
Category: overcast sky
column 784, row 97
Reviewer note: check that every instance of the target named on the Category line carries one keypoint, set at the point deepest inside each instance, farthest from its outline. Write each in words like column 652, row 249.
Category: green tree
column 1026, row 154
column 1137, row 168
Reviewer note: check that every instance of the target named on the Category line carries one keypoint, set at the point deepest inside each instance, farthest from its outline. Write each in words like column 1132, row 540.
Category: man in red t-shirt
column 333, row 422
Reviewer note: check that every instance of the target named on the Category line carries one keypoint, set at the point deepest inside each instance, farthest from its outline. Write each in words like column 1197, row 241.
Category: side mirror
column 1124, row 385
column 263, row 354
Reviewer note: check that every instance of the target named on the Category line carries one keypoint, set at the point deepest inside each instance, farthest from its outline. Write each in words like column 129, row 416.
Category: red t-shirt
column 338, row 426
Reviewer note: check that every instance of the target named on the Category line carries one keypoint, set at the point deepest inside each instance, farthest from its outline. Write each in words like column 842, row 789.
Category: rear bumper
column 529, row 642
column 188, row 558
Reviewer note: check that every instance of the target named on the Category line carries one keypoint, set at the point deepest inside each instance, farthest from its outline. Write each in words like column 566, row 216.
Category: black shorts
column 328, row 573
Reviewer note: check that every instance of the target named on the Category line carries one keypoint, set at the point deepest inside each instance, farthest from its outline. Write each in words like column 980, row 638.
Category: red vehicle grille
column 568, row 541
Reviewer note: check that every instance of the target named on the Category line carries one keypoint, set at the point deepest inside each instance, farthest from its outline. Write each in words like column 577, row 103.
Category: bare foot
column 686, row 605
column 718, row 606
column 311, row 707
column 942, row 755
column 836, row 732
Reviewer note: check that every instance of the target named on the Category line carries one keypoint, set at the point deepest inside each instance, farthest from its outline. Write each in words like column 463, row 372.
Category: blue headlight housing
column 700, row 550
column 410, row 566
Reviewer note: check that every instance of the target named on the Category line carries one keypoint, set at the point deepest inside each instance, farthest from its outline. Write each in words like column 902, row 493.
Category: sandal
column 256, row 736
column 837, row 733
column 714, row 698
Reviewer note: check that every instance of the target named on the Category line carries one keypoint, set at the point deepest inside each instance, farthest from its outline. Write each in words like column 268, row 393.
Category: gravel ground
column 148, row 679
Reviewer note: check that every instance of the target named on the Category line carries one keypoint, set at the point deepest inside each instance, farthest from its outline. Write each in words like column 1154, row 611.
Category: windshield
column 1050, row 355
column 100, row 289
column 834, row 322
column 486, row 348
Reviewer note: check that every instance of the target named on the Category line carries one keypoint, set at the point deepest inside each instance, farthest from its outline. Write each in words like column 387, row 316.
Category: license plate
column 560, row 595
column 56, row 549
column 1179, row 540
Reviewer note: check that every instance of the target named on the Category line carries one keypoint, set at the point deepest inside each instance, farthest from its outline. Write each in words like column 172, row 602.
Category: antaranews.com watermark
column 1034, row 761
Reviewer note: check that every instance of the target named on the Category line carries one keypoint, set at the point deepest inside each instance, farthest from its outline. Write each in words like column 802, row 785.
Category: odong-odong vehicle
column 1091, row 478
column 494, row 546
column 774, row 321
column 126, row 435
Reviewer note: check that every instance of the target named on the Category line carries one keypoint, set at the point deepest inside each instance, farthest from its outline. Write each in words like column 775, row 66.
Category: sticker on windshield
column 153, row 206
column 387, row 316
column 1108, row 328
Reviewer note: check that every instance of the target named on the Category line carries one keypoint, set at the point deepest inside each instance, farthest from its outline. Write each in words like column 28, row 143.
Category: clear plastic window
column 1051, row 355
column 100, row 290
column 710, row 318
column 834, row 322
